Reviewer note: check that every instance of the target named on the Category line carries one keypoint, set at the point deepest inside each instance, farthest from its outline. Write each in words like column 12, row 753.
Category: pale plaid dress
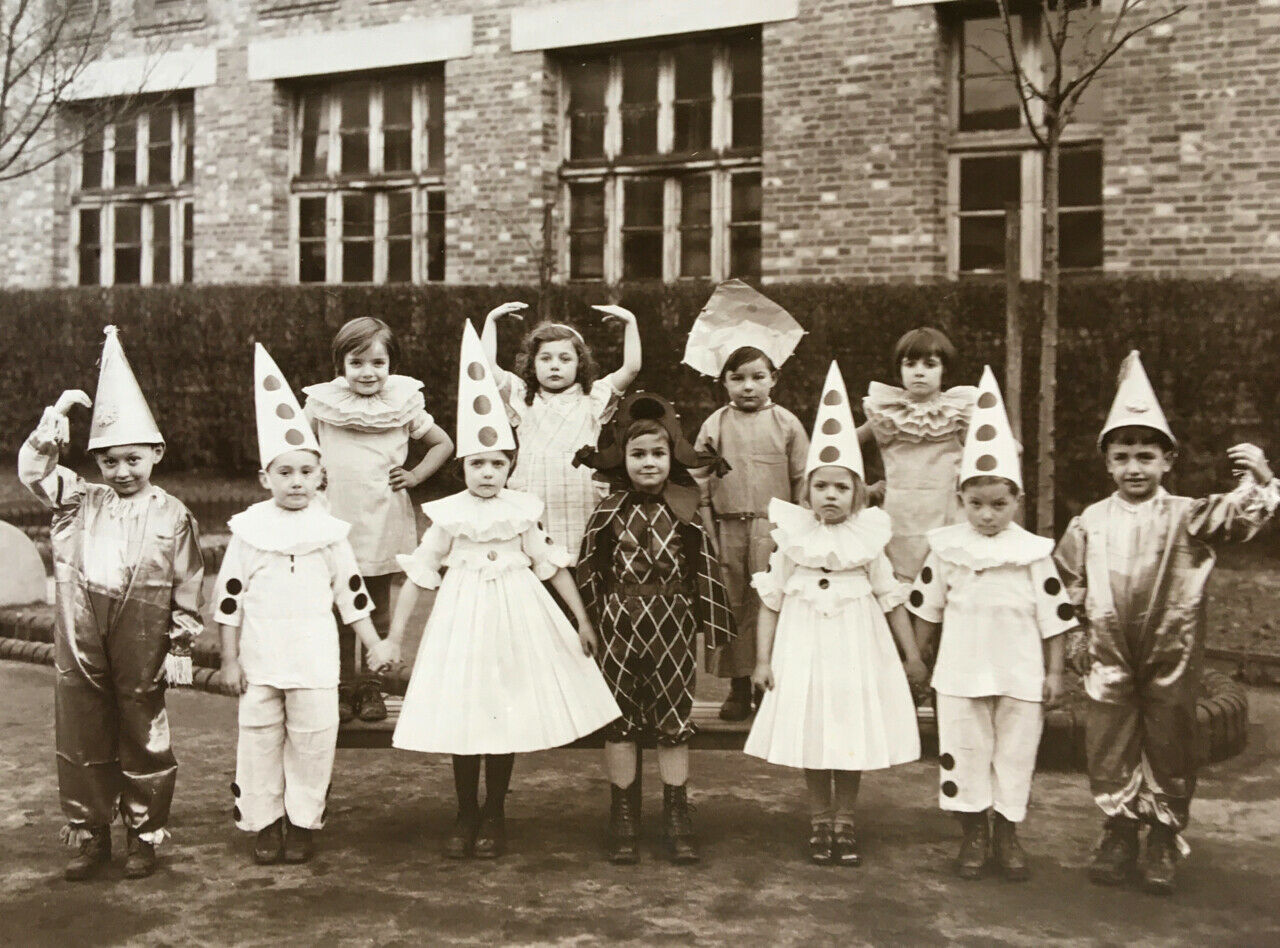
column 550, row 432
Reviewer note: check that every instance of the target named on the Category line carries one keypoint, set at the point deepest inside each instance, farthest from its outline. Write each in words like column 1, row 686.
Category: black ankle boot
column 677, row 828
column 972, row 858
column 1008, row 851
column 491, row 835
column 141, row 859
column 1160, row 861
column 268, row 849
column 93, row 853
column 1116, row 857
column 624, row 824
column 461, row 841
column 299, row 843
column 737, row 706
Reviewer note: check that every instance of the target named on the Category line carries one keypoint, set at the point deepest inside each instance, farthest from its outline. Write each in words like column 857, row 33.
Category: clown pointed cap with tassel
column 120, row 412
column 835, row 437
column 990, row 448
column 281, row 425
column 482, row 420
column 1135, row 403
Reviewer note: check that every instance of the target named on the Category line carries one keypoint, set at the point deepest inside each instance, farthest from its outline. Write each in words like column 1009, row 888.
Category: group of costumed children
column 572, row 577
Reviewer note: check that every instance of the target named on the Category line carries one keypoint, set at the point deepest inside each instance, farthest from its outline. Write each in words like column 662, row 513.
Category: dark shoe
column 1116, row 857
column 821, row 844
column 846, row 845
column 346, row 704
column 1007, row 850
column 461, row 841
column 624, row 825
column 737, row 707
column 972, row 858
column 93, row 853
column 491, row 837
column 268, row 849
column 368, row 701
column 1160, row 860
column 677, row 828
column 141, row 860
column 298, row 843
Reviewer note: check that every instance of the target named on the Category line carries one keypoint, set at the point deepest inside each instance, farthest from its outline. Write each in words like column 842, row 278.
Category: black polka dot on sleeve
column 950, row 789
column 234, row 586
column 361, row 601
column 354, row 584
column 1065, row 612
column 946, row 762
column 917, row 598
column 1052, row 586
column 227, row 606
column 926, row 575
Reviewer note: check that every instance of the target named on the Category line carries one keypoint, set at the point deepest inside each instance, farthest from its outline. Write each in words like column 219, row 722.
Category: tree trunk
column 1045, row 500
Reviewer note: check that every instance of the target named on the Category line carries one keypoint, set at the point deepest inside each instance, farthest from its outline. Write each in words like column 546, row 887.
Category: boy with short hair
column 128, row 568
column 1136, row 565
column 650, row 583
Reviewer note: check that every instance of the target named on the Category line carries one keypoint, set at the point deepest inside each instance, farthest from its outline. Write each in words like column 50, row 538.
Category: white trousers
column 987, row 753
column 284, row 758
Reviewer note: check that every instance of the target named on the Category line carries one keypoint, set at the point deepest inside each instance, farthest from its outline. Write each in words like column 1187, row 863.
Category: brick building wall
column 854, row 159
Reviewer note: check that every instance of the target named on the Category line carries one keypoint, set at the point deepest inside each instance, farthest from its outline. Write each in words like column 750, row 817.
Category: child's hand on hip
column 1250, row 458
column 233, row 677
column 1053, row 689
column 400, row 479
column 617, row 312
column 762, row 677
column 507, row 309
column 588, row 639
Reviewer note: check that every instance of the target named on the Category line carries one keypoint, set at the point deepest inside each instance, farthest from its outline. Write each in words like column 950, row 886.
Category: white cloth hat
column 835, row 437
column 120, row 413
column 737, row 316
column 990, row 448
column 482, row 419
column 281, row 425
column 1135, row 402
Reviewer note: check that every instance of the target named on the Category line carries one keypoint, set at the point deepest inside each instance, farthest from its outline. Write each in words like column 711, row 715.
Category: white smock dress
column 500, row 669
column 840, row 699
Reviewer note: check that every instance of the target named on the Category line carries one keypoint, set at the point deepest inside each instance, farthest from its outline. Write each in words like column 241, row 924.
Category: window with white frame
column 132, row 219
column 993, row 158
column 661, row 160
column 367, row 183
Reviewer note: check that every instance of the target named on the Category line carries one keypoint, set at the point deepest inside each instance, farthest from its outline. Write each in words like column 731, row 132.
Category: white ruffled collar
column 891, row 408
column 503, row 517
column 395, row 406
column 961, row 544
column 269, row 527
column 808, row 541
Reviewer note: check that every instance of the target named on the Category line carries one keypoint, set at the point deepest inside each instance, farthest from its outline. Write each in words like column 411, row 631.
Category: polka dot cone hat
column 835, row 437
column 990, row 448
column 281, row 425
column 482, row 418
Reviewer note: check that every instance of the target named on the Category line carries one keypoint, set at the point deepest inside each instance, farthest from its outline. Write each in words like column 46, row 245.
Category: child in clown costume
column 288, row 564
column 128, row 570
column 1136, row 565
column 994, row 587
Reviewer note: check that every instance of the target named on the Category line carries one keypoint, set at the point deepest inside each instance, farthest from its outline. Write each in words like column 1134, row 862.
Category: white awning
column 134, row 75
column 588, row 22
column 379, row 47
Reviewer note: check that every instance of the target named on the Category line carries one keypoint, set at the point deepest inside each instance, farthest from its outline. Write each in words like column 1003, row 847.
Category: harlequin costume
column 920, row 444
column 128, row 572
column 282, row 575
column 651, row 583
column 1137, row 574
column 998, row 598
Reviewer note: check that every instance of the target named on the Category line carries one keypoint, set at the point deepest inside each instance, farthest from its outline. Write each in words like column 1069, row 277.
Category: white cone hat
column 990, row 448
column 482, row 419
column 835, row 437
column 737, row 316
column 120, row 413
column 1135, row 402
column 281, row 425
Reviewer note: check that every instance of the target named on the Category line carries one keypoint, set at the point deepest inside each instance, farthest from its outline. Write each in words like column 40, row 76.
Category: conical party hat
column 281, row 425
column 737, row 316
column 482, row 420
column 990, row 448
column 835, row 437
column 1135, row 402
column 120, row 413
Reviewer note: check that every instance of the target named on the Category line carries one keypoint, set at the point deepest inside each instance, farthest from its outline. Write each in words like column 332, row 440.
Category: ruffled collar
column 502, row 517
column 395, row 406
column 808, row 541
column 961, row 544
column 890, row 408
column 269, row 527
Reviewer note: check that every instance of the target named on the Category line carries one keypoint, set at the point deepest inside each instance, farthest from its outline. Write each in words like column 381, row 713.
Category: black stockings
column 497, row 778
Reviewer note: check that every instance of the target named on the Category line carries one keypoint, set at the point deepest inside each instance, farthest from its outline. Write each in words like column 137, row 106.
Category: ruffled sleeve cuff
column 418, row 572
column 894, row 597
column 422, row 566
column 604, row 399
column 770, row 589
column 545, row 555
column 420, row 424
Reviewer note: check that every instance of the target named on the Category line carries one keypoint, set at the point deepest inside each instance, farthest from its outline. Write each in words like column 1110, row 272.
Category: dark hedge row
column 1210, row 346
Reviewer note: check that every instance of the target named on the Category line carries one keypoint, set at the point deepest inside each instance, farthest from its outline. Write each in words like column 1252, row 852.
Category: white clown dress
column 500, row 669
column 840, row 699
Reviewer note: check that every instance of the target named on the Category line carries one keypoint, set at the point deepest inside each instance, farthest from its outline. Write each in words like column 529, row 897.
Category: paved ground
column 379, row 880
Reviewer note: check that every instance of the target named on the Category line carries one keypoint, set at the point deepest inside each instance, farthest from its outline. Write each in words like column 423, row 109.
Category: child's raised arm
column 489, row 336
column 630, row 368
column 1237, row 516
column 38, row 456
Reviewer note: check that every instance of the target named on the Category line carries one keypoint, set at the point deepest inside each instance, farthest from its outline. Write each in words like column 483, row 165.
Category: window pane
column 586, row 81
column 91, row 167
column 642, row 229
column 642, row 255
column 586, row 206
column 984, row 47
column 1081, row 50
column 693, row 97
column 160, row 129
column 744, row 251
column 311, row 218
column 397, row 126
column 399, row 214
column 357, row 262
column 639, row 103
column 357, row 216
column 988, row 99
column 642, row 202
column 982, row 243
column 1080, row 238
column 695, row 226
column 744, row 198
column 989, row 183
column 90, row 231
column 399, row 261
column 188, row 242
column 354, row 127
column 435, row 122
column 128, row 264
column 126, row 154
column 311, row 262
column 187, row 125
column 748, row 124
column 128, row 224
column 314, row 159
column 744, row 58
column 435, row 235
column 397, row 150
column 1080, row 177
column 90, row 227
column 397, row 104
column 160, row 243
column 586, row 231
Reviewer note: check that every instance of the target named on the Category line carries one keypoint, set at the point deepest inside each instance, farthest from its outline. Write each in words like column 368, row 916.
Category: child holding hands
column 837, row 701
column 993, row 589
column 287, row 565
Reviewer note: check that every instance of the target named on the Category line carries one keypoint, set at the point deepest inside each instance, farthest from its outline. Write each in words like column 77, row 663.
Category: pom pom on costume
column 989, row 447
column 737, row 316
column 120, row 412
column 1135, row 402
